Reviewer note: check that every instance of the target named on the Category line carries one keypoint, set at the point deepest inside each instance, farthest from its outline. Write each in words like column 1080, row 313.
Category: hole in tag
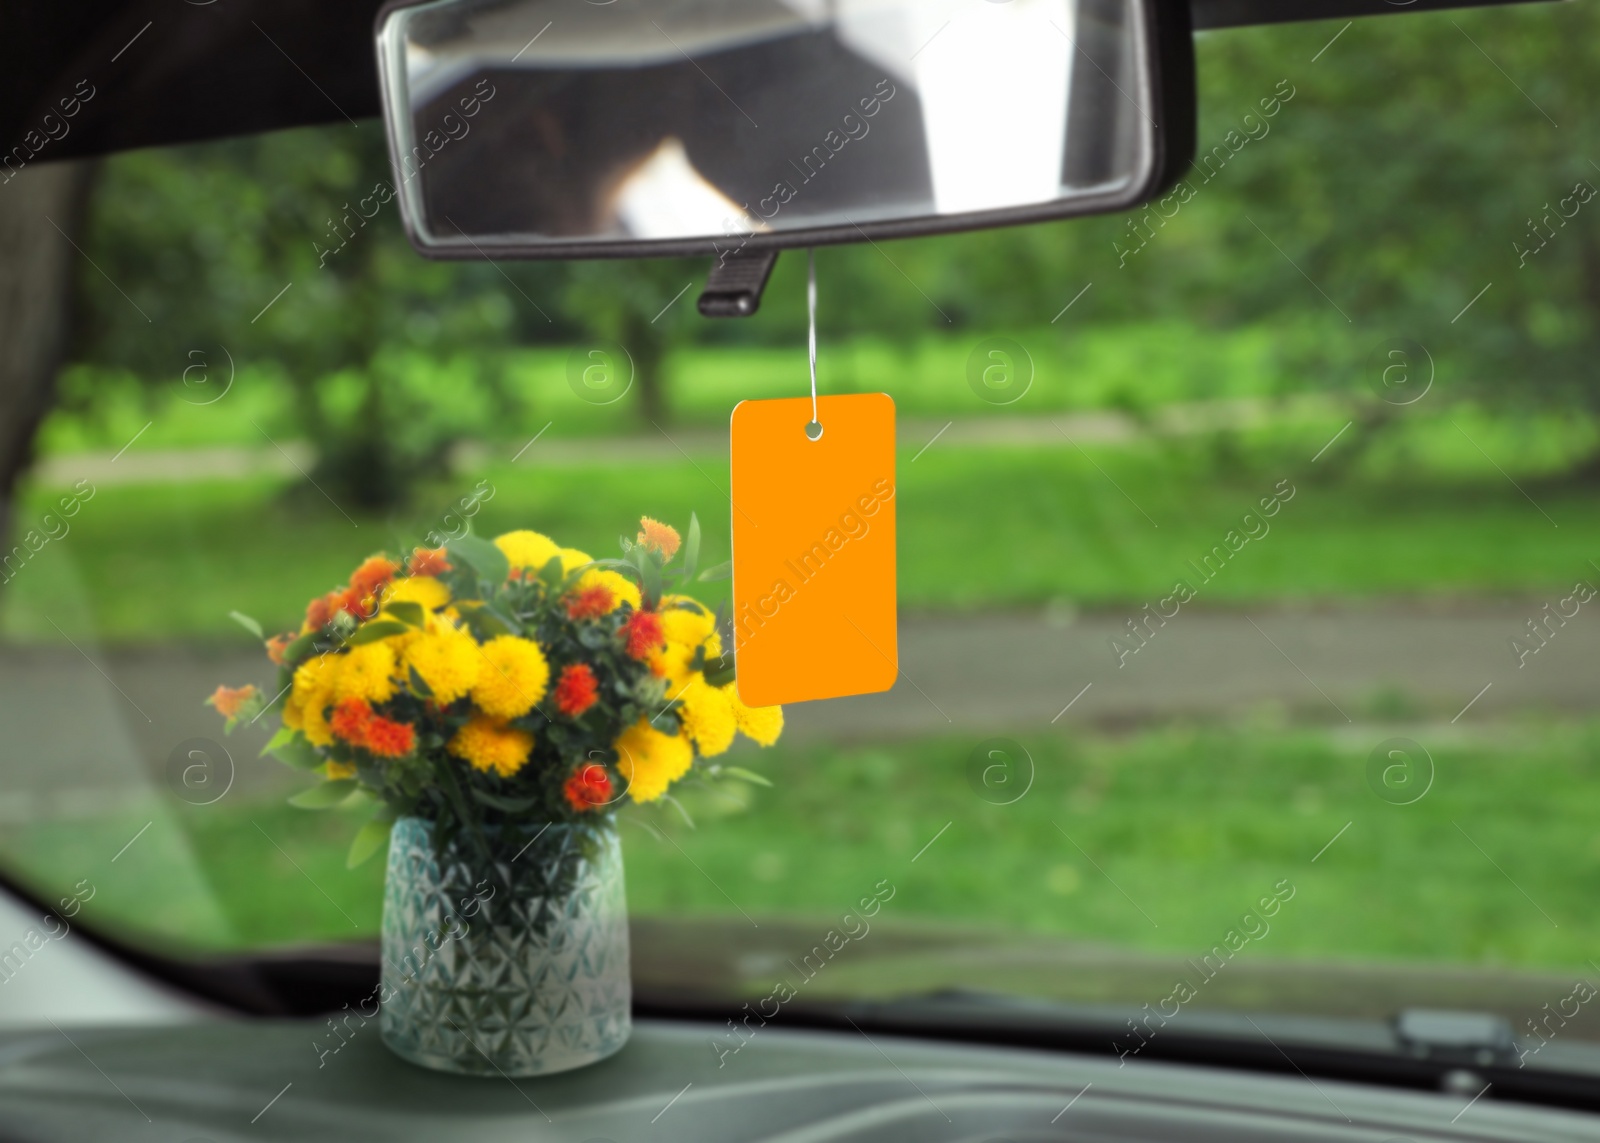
column 814, row 431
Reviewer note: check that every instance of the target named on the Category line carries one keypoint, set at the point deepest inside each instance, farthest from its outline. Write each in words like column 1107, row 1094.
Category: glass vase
column 505, row 951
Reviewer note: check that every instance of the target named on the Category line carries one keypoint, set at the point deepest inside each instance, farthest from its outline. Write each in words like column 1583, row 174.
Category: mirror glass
column 558, row 127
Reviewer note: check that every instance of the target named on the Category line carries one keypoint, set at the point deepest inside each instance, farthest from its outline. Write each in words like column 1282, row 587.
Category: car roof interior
column 248, row 66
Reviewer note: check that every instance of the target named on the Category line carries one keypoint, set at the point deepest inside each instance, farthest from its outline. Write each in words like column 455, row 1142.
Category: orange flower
column 228, row 701
column 351, row 721
column 321, row 610
column 659, row 537
column 389, row 739
column 577, row 691
column 590, row 602
column 427, row 561
column 643, row 634
column 358, row 602
column 354, row 721
column 588, row 788
column 371, row 575
column 277, row 645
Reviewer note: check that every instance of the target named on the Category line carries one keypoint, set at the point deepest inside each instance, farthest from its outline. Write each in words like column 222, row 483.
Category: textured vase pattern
column 509, row 958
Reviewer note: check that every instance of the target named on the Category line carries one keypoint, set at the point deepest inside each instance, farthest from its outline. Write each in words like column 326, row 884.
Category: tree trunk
column 1371, row 421
column 37, row 264
column 1586, row 471
column 648, row 350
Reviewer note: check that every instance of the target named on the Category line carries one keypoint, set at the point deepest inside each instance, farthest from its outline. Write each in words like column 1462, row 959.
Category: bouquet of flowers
column 517, row 680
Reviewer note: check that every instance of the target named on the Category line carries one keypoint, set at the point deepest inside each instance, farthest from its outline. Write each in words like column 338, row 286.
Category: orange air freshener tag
column 814, row 549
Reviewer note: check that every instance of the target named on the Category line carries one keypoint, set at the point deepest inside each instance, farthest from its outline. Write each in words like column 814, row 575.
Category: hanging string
column 813, row 430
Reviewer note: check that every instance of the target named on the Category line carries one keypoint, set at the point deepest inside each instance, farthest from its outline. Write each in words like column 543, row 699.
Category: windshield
column 1245, row 556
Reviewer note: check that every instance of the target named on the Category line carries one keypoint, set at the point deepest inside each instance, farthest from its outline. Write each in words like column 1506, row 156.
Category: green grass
column 979, row 527
column 1192, row 825
column 1142, row 366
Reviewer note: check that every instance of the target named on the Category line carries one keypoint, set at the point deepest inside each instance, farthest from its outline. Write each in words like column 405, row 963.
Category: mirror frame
column 1167, row 29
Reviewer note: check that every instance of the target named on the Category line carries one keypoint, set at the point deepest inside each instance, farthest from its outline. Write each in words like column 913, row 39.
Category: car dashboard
column 219, row 1081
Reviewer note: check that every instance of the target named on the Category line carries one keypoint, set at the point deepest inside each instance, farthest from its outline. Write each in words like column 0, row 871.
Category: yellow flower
column 762, row 723
column 707, row 716
column 687, row 629
column 314, row 682
column 423, row 589
column 487, row 746
column 572, row 558
column 314, row 723
column 685, row 621
column 291, row 712
column 672, row 664
column 527, row 551
column 448, row 661
column 686, row 601
column 315, row 675
column 622, row 589
column 367, row 673
column 651, row 761
column 512, row 678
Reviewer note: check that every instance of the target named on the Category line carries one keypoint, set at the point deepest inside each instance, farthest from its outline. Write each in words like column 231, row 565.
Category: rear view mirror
column 568, row 129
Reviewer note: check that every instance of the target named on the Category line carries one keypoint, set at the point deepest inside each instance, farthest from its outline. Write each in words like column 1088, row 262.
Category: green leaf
column 461, row 580
column 300, row 649
column 280, row 739
column 509, row 805
column 720, row 572
column 691, row 547
column 409, row 612
column 509, row 623
column 467, row 820
column 720, row 672
column 248, row 624
column 326, row 795
column 486, row 560
column 484, row 622
column 418, row 684
column 746, row 775
column 677, row 805
column 285, row 684
column 649, row 578
column 368, row 840
column 375, row 630
column 296, row 752
column 553, row 572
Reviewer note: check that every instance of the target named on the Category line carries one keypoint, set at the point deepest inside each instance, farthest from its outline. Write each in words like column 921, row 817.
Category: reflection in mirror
column 550, row 129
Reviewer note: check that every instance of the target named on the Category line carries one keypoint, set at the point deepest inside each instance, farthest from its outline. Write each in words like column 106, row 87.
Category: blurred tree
column 644, row 305
column 286, row 249
column 1413, row 184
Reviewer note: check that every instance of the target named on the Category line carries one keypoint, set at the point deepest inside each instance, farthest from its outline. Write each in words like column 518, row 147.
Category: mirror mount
column 736, row 284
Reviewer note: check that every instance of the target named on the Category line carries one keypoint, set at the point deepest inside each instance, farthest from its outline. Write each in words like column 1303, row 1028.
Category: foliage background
column 1387, row 193
column 1385, row 201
